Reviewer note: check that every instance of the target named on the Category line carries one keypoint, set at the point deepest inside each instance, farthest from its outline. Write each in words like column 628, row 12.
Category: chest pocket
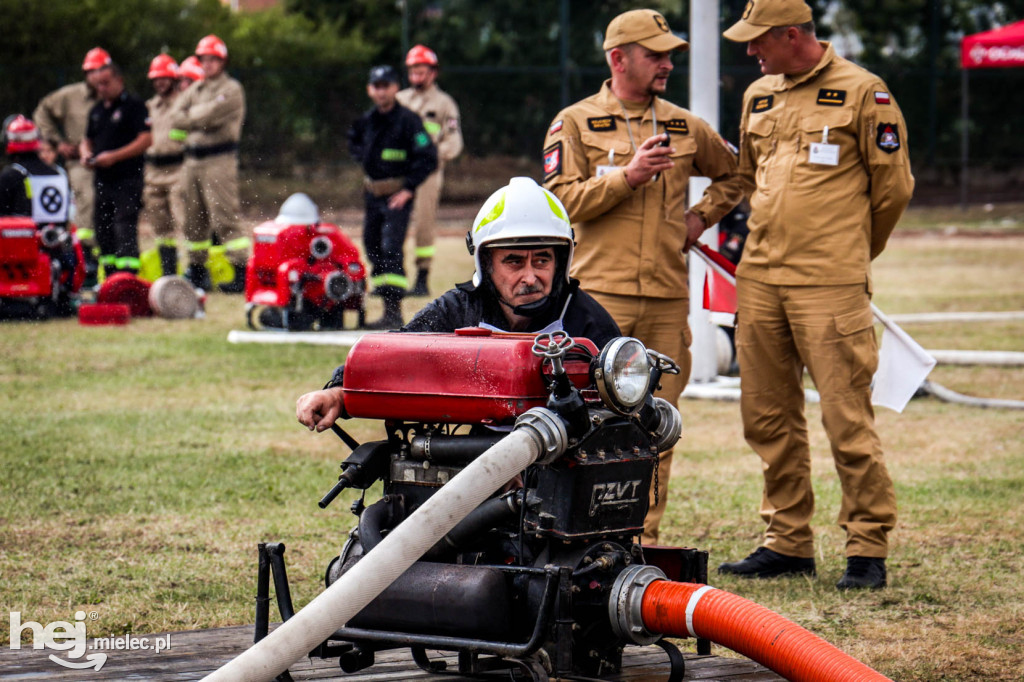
column 839, row 126
column 598, row 146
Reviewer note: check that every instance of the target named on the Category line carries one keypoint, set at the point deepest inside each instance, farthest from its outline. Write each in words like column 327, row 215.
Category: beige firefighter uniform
column 440, row 116
column 212, row 111
column 629, row 241
column 825, row 154
column 62, row 117
column 162, row 203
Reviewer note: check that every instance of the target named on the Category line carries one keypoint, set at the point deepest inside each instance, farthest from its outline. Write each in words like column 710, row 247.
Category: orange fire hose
column 689, row 610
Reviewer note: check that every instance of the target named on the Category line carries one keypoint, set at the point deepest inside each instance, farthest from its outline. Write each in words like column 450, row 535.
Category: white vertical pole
column 704, row 78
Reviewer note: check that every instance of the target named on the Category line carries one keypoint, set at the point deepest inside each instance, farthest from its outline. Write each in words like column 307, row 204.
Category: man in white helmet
column 522, row 244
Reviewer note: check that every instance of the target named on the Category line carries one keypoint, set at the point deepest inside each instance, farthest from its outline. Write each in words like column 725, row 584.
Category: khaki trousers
column 210, row 192
column 424, row 217
column 162, row 204
column 661, row 324
column 829, row 330
column 81, row 181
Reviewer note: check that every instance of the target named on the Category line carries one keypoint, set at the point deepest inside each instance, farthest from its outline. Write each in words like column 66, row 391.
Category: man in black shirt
column 115, row 140
column 397, row 156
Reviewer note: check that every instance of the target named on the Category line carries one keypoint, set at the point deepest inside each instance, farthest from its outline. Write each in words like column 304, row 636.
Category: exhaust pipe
column 539, row 435
column 645, row 606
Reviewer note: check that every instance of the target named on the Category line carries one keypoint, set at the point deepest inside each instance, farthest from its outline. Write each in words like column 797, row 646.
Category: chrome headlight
column 623, row 374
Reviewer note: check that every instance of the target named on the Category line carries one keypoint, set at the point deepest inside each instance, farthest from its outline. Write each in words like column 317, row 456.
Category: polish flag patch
column 555, row 127
column 882, row 98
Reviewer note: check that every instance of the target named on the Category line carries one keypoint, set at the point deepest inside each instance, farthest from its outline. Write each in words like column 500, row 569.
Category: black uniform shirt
column 393, row 145
column 114, row 127
column 13, row 198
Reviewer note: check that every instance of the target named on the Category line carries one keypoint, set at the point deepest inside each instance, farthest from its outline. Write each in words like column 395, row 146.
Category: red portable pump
column 303, row 274
column 41, row 268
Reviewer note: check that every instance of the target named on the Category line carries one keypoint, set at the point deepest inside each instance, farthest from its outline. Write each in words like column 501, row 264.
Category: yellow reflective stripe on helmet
column 493, row 214
column 425, row 251
column 200, row 246
column 238, row 244
column 554, row 206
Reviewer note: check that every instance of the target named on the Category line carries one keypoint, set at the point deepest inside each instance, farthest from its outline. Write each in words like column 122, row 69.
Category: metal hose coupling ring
column 547, row 430
column 670, row 424
column 626, row 600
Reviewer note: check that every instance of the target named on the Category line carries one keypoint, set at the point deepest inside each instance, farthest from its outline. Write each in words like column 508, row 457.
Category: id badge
column 824, row 154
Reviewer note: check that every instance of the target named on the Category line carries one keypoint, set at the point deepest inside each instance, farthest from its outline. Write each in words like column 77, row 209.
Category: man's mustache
column 526, row 289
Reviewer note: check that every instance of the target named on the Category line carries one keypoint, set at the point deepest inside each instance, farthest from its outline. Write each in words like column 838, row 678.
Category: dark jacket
column 468, row 306
column 393, row 145
column 13, row 198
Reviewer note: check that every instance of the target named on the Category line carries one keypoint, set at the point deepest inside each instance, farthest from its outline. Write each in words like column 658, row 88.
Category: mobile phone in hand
column 663, row 143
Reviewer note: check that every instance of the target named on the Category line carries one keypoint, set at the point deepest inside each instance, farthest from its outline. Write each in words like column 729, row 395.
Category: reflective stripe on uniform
column 390, row 279
column 200, row 246
column 84, row 234
column 425, row 251
column 238, row 244
column 108, row 260
column 166, row 241
column 126, row 263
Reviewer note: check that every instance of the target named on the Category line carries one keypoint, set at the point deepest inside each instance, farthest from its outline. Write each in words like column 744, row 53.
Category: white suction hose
column 539, row 434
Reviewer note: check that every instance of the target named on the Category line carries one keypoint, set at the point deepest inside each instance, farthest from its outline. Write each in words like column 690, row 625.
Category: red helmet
column 21, row 135
column 191, row 68
column 96, row 58
column 163, row 66
column 213, row 46
column 421, row 54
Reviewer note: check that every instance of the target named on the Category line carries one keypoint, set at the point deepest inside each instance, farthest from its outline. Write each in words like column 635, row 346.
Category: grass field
column 142, row 464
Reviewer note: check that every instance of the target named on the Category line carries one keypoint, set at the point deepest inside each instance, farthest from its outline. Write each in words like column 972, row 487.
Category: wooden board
column 193, row 655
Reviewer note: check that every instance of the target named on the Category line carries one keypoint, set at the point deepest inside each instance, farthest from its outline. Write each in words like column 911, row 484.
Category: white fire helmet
column 298, row 209
column 521, row 214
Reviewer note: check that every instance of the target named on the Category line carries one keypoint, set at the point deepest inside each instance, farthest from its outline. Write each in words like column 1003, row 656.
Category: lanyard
column 629, row 129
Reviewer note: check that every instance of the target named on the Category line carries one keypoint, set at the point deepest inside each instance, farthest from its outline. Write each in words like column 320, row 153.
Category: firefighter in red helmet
column 62, row 117
column 161, row 197
column 211, row 112
column 440, row 116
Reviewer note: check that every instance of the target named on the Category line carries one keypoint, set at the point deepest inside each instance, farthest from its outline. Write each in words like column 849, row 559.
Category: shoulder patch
column 677, row 126
column 601, row 124
column 831, row 98
column 760, row 104
column 888, row 138
column 882, row 97
column 553, row 161
column 555, row 127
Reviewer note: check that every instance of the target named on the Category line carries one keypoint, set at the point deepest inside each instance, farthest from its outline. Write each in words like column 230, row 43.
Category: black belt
column 211, row 150
column 164, row 159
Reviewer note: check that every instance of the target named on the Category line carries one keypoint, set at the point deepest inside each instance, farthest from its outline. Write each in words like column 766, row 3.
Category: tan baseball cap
column 761, row 15
column 644, row 26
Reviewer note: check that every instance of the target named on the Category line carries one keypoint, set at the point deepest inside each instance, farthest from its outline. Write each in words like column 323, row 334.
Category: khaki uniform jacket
column 813, row 223
column 211, row 110
column 440, row 116
column 630, row 240
column 63, row 115
column 163, row 145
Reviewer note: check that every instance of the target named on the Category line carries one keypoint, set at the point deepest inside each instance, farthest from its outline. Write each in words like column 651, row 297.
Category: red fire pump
column 525, row 581
column 41, row 268
column 303, row 274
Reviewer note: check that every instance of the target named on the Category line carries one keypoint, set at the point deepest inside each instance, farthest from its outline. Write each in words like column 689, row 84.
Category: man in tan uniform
column 605, row 158
column 440, row 116
column 62, row 117
column 161, row 197
column 212, row 111
column 823, row 148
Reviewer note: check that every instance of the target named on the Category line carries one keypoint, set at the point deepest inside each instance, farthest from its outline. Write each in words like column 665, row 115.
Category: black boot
column 168, row 259
column 92, row 268
column 420, row 289
column 236, row 285
column 392, row 318
column 198, row 276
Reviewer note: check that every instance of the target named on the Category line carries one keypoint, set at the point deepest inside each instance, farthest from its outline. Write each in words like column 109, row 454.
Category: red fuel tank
column 473, row 376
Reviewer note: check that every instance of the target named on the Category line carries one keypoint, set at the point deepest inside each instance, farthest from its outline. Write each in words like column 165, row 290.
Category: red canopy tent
column 998, row 48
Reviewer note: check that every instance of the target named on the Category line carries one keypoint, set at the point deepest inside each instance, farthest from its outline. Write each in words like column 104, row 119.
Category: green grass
column 142, row 464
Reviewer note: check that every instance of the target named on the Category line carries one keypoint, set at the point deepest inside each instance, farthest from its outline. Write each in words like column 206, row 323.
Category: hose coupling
column 626, row 600
column 670, row 424
column 547, row 430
